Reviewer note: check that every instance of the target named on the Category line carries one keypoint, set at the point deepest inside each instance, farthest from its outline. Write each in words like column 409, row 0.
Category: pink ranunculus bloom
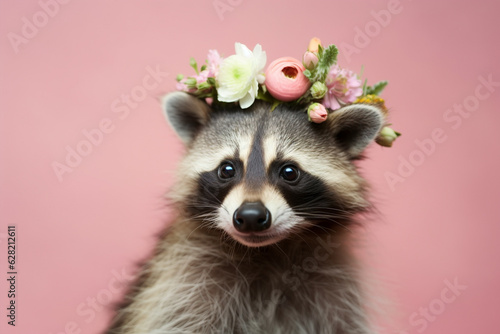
column 344, row 87
column 317, row 113
column 214, row 60
column 285, row 79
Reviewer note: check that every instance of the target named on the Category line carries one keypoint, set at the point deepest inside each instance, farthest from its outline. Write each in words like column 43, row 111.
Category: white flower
column 240, row 74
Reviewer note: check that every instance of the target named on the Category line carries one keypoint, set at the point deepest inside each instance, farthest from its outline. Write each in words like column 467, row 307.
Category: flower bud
column 190, row 82
column 313, row 44
column 387, row 136
column 309, row 60
column 318, row 90
column 317, row 113
column 204, row 85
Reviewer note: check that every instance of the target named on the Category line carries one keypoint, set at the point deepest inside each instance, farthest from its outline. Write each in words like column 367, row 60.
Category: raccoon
column 265, row 202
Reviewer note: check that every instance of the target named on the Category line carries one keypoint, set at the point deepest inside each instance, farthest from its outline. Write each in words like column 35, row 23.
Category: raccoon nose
column 252, row 217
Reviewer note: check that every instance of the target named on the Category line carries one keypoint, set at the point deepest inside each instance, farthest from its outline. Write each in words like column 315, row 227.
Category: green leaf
column 204, row 95
column 362, row 71
column 320, row 50
column 365, row 87
column 211, row 81
column 203, row 68
column 275, row 104
column 330, row 56
column 265, row 96
column 327, row 57
column 307, row 73
column 193, row 64
column 190, row 82
column 203, row 86
column 179, row 77
column 377, row 88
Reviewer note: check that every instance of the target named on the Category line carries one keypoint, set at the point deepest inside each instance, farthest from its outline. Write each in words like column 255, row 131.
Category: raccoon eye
column 289, row 173
column 226, row 171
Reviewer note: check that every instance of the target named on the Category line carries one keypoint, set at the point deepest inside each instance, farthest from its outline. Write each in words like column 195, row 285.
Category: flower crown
column 317, row 81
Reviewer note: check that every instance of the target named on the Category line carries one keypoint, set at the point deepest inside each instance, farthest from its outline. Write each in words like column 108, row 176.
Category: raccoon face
column 263, row 176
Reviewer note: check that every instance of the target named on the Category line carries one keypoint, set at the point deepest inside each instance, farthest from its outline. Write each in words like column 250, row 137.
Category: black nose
column 252, row 217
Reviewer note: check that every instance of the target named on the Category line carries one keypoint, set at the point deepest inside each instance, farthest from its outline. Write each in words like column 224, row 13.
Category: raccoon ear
column 355, row 126
column 186, row 114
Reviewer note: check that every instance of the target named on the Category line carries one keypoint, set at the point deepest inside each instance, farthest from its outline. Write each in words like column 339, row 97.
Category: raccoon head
column 262, row 176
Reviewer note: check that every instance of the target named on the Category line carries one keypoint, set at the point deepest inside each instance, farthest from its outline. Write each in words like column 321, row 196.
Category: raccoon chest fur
column 198, row 284
column 264, row 204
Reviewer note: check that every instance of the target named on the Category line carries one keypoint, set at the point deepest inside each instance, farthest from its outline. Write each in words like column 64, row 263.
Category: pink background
column 438, row 223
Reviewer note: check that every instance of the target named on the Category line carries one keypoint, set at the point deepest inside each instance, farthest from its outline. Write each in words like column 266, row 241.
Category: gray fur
column 190, row 116
column 360, row 123
column 201, row 280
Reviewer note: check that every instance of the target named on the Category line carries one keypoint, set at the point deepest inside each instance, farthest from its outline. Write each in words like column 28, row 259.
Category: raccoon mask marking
column 260, row 176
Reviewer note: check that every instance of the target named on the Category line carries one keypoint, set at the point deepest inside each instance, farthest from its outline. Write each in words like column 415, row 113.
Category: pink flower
column 317, row 113
column 190, row 84
column 181, row 85
column 285, row 80
column 202, row 76
column 309, row 60
column 214, row 61
column 344, row 87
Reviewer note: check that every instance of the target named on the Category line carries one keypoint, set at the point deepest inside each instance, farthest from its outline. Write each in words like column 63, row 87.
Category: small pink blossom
column 214, row 60
column 317, row 113
column 198, row 78
column 202, row 76
column 181, row 85
column 285, row 79
column 344, row 87
column 212, row 69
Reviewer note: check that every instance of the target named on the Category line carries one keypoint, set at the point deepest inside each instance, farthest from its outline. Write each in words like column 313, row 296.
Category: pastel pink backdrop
column 441, row 223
